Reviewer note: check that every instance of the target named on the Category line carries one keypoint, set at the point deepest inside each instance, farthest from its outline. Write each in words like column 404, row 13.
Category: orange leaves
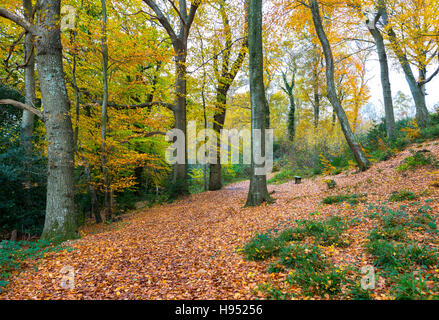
column 188, row 249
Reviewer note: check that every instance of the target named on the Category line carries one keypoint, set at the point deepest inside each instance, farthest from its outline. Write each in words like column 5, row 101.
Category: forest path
column 188, row 249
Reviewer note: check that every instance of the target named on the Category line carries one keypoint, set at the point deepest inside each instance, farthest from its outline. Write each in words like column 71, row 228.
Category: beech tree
column 372, row 26
column 179, row 38
column 45, row 31
column 358, row 153
column 258, row 192
column 224, row 77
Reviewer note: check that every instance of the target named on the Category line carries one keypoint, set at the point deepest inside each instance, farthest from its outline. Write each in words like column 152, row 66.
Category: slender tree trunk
column 27, row 123
column 205, row 166
column 385, row 81
column 316, row 103
column 258, row 192
column 180, row 169
column 179, row 42
column 417, row 91
column 219, row 118
column 107, row 190
column 359, row 156
column 60, row 211
column 289, row 90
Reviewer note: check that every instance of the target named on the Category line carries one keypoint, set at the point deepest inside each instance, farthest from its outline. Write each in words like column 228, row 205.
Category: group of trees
column 114, row 76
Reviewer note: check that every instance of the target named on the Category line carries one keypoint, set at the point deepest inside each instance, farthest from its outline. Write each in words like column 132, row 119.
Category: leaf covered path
column 190, row 249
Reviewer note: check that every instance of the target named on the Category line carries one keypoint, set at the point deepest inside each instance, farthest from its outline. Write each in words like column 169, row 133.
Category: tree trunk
column 359, row 156
column 258, row 192
column 289, row 90
column 60, row 211
column 107, row 190
column 316, row 104
column 27, row 123
column 385, row 81
column 417, row 91
column 215, row 178
column 180, row 169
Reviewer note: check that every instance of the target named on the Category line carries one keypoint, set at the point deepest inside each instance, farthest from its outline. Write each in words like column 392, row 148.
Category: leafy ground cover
column 206, row 245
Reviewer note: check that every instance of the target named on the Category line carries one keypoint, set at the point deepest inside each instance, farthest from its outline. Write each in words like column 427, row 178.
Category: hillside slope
column 190, row 249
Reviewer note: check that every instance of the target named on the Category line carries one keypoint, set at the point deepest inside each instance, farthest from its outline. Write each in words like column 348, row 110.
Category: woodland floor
column 190, row 249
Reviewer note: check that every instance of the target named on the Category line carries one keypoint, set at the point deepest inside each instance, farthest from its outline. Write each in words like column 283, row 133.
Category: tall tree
column 179, row 39
column 27, row 122
column 371, row 24
column 412, row 43
column 288, row 88
column 104, row 118
column 224, row 79
column 358, row 153
column 258, row 192
column 60, row 210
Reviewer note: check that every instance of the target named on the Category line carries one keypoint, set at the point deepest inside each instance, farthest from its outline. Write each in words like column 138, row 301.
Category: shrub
column 22, row 191
column 403, row 195
column 396, row 233
column 299, row 256
column 351, row 199
column 319, row 283
column 410, row 287
column 290, row 234
column 327, row 233
column 417, row 159
column 430, row 132
column 284, row 176
column 13, row 254
column 262, row 246
column 392, row 256
column 330, row 183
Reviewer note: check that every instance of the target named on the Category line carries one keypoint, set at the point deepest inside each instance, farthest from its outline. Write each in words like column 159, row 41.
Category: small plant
column 396, row 233
column 13, row 255
column 273, row 292
column 353, row 199
column 328, row 168
column 327, row 233
column 299, row 256
column 392, row 256
column 289, row 235
column 410, row 287
column 284, row 176
column 328, row 282
column 330, row 183
column 398, row 196
column 417, row 159
column 262, row 246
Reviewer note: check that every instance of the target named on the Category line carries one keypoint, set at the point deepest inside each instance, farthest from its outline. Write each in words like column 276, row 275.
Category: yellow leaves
column 328, row 168
column 413, row 131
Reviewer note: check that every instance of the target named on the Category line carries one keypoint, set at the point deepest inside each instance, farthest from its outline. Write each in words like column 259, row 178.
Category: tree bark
column 179, row 42
column 359, row 156
column 27, row 122
column 107, row 186
column 416, row 88
column 289, row 91
column 215, row 177
column 258, row 192
column 60, row 211
column 385, row 79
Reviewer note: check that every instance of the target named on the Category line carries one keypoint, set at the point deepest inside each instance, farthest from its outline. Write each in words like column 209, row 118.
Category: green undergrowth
column 13, row 255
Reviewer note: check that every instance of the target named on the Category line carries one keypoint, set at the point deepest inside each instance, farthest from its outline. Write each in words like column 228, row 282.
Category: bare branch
column 18, row 20
column 23, row 106
column 162, row 19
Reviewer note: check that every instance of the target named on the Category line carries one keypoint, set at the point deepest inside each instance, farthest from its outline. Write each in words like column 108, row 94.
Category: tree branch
column 162, row 19
column 18, row 20
column 23, row 106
